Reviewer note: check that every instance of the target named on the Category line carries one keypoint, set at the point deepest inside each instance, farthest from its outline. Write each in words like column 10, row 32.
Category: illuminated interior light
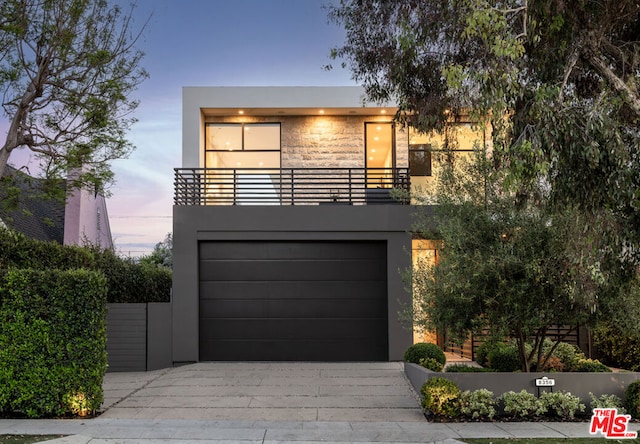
column 376, row 138
column 240, row 112
column 371, row 158
column 373, row 151
column 321, row 111
column 378, row 128
column 384, row 111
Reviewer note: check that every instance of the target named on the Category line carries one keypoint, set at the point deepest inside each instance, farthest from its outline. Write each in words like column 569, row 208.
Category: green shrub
column 463, row 368
column 477, row 404
column 522, row 405
column 440, row 397
column 482, row 352
column 504, row 358
column 563, row 405
column 607, row 402
column 618, row 349
column 591, row 365
column 424, row 350
column 566, row 356
column 52, row 342
column 632, row 399
column 127, row 281
column 431, row 364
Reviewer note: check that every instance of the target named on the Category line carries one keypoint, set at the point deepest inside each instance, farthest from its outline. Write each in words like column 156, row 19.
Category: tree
column 558, row 81
column 505, row 266
column 162, row 254
column 67, row 70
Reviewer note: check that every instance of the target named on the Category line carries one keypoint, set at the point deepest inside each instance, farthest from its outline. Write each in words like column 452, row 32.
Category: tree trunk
column 4, row 157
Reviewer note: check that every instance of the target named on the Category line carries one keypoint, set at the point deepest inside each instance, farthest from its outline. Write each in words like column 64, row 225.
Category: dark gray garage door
column 293, row 301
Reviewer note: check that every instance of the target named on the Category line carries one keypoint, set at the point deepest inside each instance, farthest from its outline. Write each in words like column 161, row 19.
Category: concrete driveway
column 265, row 392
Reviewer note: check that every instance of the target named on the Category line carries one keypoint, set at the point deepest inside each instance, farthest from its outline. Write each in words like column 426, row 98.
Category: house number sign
column 545, row 382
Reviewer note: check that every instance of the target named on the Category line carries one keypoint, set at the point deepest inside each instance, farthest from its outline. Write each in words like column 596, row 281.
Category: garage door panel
column 288, row 308
column 239, row 290
column 290, row 329
column 325, row 350
column 256, row 250
column 294, row 269
column 263, row 300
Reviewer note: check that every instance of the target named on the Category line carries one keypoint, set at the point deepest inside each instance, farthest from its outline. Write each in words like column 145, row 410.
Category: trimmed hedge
column 424, row 350
column 127, row 281
column 52, row 342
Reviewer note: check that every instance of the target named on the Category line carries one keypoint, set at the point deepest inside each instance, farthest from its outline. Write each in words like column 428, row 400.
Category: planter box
column 579, row 384
column 138, row 337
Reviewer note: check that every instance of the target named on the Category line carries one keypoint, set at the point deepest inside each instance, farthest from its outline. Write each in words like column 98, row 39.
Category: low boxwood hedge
column 52, row 342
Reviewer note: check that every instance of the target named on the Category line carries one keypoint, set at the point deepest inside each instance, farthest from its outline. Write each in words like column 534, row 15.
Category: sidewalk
column 112, row 431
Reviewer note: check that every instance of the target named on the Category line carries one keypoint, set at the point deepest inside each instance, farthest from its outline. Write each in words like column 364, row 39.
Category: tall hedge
column 52, row 341
column 127, row 281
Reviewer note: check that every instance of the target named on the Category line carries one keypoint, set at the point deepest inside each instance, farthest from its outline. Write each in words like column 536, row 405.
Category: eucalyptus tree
column 557, row 82
column 68, row 69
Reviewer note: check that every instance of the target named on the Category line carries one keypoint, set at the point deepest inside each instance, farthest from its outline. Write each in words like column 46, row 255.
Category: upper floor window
column 242, row 145
column 242, row 136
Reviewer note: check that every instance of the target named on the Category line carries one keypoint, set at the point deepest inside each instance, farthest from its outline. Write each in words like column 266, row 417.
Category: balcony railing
column 289, row 186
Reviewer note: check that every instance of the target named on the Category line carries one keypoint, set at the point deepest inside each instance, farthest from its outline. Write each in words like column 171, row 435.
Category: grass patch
column 548, row 441
column 26, row 439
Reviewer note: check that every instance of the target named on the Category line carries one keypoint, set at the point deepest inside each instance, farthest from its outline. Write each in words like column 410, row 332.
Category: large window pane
column 263, row 136
column 222, row 136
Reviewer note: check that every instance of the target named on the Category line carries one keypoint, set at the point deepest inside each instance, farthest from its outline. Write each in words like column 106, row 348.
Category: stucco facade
column 320, row 128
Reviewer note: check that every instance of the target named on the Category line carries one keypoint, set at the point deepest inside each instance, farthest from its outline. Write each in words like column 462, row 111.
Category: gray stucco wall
column 199, row 223
column 578, row 384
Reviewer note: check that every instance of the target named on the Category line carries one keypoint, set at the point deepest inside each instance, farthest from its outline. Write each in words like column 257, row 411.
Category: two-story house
column 288, row 244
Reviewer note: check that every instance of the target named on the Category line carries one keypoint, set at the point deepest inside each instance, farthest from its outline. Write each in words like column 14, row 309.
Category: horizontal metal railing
column 289, row 186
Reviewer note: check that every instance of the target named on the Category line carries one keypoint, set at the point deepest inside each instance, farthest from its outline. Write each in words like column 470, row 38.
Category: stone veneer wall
column 325, row 141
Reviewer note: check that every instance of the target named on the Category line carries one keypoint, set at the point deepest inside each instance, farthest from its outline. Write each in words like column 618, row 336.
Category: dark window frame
column 242, row 125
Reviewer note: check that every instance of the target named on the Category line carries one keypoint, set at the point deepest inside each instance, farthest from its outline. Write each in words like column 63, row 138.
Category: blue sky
column 207, row 43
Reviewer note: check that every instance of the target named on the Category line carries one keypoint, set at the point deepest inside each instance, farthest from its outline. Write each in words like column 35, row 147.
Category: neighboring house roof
column 81, row 218
column 33, row 215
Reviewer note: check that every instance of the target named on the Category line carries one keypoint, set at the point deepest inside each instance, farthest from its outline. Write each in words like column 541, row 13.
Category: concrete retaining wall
column 138, row 337
column 579, row 384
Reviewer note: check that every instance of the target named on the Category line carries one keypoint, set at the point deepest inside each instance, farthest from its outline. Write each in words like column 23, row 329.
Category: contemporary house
column 288, row 239
column 81, row 218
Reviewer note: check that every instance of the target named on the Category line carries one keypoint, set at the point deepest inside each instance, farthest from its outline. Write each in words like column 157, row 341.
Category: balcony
column 289, row 186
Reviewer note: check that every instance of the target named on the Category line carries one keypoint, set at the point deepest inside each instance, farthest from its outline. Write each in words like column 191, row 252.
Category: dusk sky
column 207, row 43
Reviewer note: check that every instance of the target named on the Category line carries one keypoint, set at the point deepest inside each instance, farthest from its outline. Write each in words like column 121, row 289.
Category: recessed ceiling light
column 321, row 111
column 376, row 138
column 240, row 112
column 384, row 111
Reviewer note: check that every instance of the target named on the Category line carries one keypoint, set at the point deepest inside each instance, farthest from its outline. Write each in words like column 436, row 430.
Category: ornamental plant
column 522, row 405
column 431, row 364
column 561, row 404
column 424, row 350
column 440, row 397
column 478, row 404
column 606, row 401
column 632, row 399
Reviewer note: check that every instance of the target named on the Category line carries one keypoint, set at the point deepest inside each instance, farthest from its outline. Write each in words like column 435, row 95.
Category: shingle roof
column 34, row 215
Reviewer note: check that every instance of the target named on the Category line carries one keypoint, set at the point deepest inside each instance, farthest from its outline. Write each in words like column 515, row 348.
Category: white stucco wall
column 297, row 101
